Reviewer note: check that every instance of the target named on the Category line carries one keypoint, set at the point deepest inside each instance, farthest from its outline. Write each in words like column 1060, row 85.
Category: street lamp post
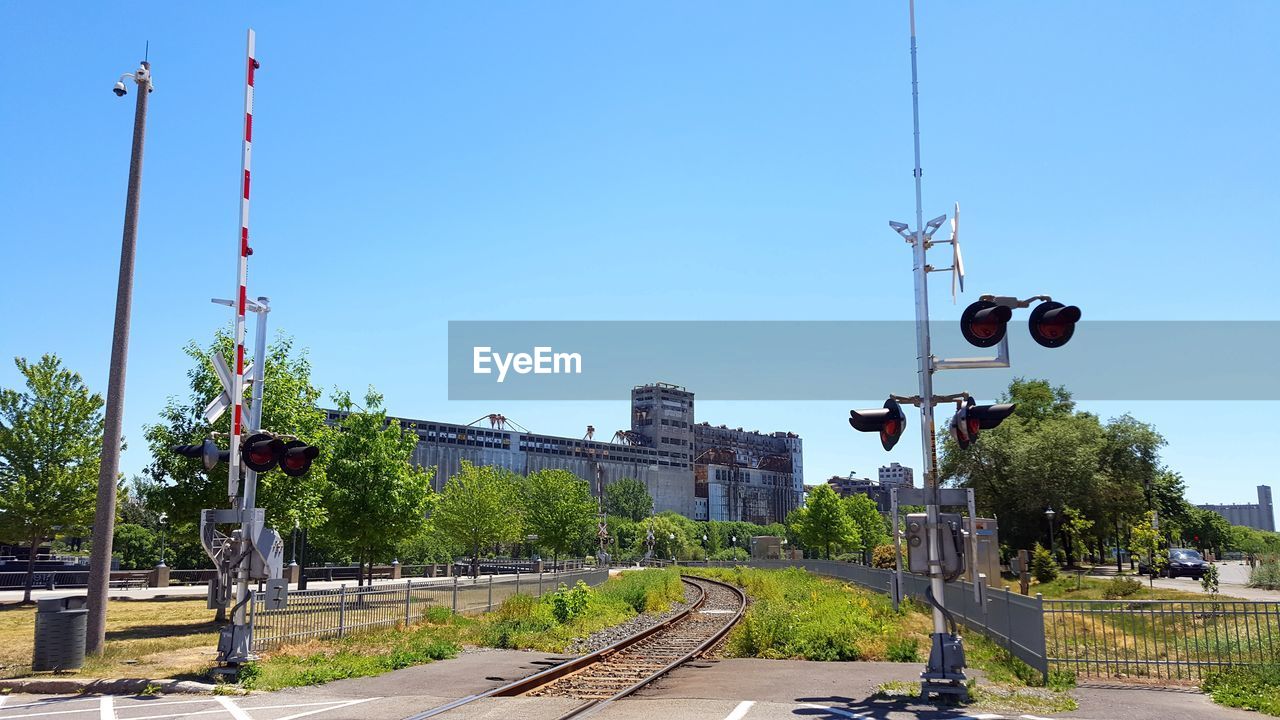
column 1053, row 545
column 163, row 519
column 104, row 522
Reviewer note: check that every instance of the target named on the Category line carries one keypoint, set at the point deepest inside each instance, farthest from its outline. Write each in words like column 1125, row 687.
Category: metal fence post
column 342, row 610
column 517, row 581
column 455, row 593
column 490, row 592
column 539, row 583
column 408, row 599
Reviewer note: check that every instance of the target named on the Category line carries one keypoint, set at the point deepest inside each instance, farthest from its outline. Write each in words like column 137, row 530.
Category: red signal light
column 297, row 457
column 983, row 323
column 1052, row 324
column 889, row 421
column 261, row 451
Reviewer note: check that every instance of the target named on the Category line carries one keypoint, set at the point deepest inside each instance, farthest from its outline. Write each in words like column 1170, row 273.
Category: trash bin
column 60, row 633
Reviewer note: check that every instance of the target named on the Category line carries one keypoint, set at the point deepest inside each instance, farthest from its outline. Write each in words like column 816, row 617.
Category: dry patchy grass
column 145, row 638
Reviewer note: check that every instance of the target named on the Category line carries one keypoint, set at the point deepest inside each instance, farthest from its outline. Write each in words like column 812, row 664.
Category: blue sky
column 417, row 163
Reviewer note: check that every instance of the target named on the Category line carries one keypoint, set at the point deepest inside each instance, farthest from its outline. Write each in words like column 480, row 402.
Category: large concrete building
column 1260, row 515
column 760, row 478
column 895, row 475
column 878, row 491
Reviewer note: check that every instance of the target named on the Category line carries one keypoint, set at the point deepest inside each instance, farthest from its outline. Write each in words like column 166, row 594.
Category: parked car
column 1182, row 562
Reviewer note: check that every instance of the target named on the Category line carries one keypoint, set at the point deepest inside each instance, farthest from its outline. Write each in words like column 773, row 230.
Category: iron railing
column 1161, row 639
column 335, row 612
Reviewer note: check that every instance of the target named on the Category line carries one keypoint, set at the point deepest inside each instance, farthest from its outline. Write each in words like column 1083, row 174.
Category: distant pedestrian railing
column 310, row 614
column 1162, row 639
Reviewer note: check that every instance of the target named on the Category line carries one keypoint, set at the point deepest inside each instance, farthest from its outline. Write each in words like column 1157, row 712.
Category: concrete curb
column 106, row 686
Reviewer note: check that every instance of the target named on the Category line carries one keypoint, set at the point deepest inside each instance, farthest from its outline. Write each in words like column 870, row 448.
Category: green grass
column 991, row 698
column 1250, row 688
column 1064, row 588
column 795, row 614
column 522, row 622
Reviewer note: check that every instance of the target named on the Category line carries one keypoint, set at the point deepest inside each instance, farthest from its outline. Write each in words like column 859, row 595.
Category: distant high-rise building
column 895, row 475
column 1260, row 516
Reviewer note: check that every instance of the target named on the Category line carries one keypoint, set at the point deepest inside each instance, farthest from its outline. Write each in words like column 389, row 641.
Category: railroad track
column 614, row 672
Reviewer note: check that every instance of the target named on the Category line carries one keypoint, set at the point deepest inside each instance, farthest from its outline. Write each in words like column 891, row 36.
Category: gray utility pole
column 104, row 521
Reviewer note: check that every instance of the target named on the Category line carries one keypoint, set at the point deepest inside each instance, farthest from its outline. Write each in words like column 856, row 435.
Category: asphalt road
column 1232, row 579
column 737, row 689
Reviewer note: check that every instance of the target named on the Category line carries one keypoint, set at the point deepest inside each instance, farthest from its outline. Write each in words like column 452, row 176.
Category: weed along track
column 621, row 669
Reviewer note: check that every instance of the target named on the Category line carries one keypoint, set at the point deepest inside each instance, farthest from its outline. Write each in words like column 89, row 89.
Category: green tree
column 873, row 530
column 671, row 538
column 136, row 547
column 50, row 445
column 1043, row 567
column 559, row 509
column 1144, row 541
column 376, row 497
column 480, row 506
column 628, row 498
column 1075, row 530
column 181, row 487
column 822, row 524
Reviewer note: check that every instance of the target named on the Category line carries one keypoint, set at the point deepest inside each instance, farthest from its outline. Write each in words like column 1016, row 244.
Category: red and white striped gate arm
column 242, row 277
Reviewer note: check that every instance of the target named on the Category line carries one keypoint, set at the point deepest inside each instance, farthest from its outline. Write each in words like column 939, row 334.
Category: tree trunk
column 475, row 562
column 31, row 570
column 1119, row 563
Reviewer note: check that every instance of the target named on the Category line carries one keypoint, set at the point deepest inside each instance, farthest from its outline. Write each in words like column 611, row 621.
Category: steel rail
column 550, row 675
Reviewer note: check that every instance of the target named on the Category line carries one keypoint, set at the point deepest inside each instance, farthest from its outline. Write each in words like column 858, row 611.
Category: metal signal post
column 936, row 546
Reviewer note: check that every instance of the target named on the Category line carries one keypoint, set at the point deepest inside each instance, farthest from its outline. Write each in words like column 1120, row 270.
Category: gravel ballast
column 610, row 635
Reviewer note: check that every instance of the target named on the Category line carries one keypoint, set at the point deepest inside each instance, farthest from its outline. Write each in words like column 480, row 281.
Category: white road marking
column 232, row 708
column 1034, row 717
column 59, row 712
column 837, row 711
column 336, row 707
column 106, row 709
column 52, row 701
column 740, row 711
column 217, row 711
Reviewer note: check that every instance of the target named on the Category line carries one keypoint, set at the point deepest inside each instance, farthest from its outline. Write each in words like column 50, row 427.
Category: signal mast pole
column 924, row 356
column 236, row 648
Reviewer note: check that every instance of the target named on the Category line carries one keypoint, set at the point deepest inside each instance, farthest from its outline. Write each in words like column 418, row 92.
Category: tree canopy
column 628, row 498
column 480, row 506
column 50, row 446
column 376, row 497
column 559, row 509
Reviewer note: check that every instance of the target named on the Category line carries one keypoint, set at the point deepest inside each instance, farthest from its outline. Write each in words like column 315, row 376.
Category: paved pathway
column 737, row 689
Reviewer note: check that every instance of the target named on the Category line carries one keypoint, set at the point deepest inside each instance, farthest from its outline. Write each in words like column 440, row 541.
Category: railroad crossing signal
column 207, row 451
column 983, row 323
column 971, row 418
column 889, row 421
column 1052, row 324
column 296, row 459
column 261, row 452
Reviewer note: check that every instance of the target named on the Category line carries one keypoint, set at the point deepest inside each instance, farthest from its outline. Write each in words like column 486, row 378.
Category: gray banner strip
column 853, row 360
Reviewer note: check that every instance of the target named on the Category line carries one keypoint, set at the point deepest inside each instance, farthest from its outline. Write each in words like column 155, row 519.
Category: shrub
column 903, row 650
column 1209, row 581
column 568, row 603
column 1120, row 587
column 884, row 557
column 1266, row 573
column 1253, row 688
column 1043, row 568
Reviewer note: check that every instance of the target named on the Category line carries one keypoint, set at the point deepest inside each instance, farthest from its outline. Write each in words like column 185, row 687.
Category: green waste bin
column 60, row 633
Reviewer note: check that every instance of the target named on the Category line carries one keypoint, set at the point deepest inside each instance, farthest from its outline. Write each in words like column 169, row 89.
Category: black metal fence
column 1161, row 639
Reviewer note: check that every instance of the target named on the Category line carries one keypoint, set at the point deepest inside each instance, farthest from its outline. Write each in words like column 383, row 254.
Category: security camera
column 119, row 89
